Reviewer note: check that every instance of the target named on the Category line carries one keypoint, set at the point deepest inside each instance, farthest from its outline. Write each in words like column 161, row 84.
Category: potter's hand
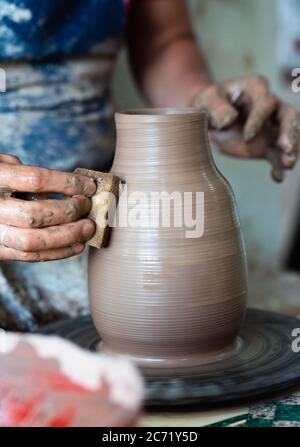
column 42, row 230
column 249, row 121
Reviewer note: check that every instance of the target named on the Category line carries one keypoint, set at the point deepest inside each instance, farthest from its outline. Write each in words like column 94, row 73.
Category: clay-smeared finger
column 221, row 113
column 289, row 134
column 40, row 180
column 273, row 155
column 45, row 255
column 246, row 89
column 60, row 236
column 42, row 213
column 260, row 112
column 253, row 93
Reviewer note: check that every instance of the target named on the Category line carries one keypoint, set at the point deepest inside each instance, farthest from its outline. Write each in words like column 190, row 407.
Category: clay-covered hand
column 45, row 229
column 249, row 121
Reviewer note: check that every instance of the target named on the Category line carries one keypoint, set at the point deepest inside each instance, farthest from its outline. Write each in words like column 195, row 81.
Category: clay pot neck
column 161, row 141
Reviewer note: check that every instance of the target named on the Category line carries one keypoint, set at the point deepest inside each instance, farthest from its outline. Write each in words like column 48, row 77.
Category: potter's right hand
column 42, row 230
column 249, row 121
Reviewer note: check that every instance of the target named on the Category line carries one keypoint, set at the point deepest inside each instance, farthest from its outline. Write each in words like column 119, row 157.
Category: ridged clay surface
column 157, row 296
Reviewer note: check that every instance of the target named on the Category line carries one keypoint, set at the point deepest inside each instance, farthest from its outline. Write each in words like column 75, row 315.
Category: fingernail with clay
column 221, row 120
column 249, row 134
column 90, row 187
column 286, row 144
column 228, row 119
column 88, row 230
column 78, row 248
column 277, row 175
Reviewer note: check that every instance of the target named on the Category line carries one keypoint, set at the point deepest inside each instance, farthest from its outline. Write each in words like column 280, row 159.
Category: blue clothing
column 35, row 29
column 59, row 90
column 57, row 113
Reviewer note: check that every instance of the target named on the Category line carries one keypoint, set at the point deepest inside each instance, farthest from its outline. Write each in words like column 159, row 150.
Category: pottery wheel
column 264, row 364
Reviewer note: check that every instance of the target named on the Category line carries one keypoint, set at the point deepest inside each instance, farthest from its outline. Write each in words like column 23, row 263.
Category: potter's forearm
column 165, row 59
column 175, row 77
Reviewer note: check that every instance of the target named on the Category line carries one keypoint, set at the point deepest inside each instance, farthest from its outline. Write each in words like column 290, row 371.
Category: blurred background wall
column 240, row 37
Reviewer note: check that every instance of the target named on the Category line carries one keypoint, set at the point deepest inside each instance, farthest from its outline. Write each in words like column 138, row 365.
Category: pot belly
column 169, row 306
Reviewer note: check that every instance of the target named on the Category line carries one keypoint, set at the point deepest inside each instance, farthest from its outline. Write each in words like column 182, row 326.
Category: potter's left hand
column 249, row 121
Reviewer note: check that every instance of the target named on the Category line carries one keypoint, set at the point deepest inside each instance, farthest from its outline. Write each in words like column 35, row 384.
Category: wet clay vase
column 158, row 296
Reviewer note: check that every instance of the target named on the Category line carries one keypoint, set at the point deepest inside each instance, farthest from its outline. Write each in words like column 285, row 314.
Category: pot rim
column 161, row 114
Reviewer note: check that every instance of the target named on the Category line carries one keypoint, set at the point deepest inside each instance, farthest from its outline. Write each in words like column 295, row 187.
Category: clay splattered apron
column 56, row 113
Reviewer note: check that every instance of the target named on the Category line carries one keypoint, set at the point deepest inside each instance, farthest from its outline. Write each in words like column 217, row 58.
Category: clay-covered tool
column 103, row 201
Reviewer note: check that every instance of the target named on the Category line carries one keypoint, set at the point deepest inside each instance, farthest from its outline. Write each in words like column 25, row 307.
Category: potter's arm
column 165, row 59
column 171, row 71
